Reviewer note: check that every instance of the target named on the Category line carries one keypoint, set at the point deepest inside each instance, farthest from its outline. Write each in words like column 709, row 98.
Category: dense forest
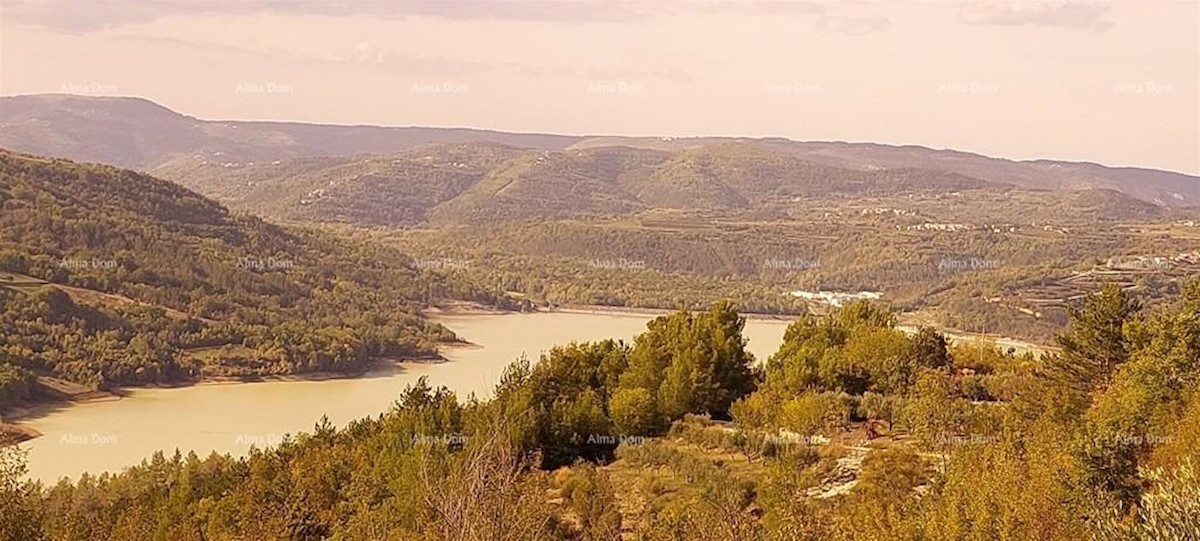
column 109, row 277
column 1015, row 284
column 852, row 430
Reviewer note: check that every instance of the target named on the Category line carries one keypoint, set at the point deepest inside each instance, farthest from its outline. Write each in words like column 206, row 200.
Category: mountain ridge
column 591, row 139
column 337, row 173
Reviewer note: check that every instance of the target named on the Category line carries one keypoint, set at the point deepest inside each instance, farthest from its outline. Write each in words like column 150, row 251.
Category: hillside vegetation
column 139, row 134
column 109, row 277
column 854, row 430
column 669, row 226
column 480, row 183
column 964, row 241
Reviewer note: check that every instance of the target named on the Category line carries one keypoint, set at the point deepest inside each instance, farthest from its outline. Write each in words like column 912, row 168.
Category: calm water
column 110, row 435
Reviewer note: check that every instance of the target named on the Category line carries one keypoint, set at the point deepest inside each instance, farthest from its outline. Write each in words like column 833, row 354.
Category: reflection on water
column 230, row 418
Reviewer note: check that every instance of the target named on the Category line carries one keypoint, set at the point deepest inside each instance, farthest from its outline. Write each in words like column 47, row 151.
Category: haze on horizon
column 1108, row 82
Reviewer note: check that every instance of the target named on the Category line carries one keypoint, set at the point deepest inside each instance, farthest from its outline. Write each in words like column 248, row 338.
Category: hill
column 980, row 242
column 110, row 277
column 483, row 183
column 142, row 135
column 1164, row 188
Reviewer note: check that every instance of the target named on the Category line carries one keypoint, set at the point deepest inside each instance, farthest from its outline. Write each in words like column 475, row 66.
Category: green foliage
column 21, row 514
column 935, row 413
column 1149, row 392
column 432, row 468
column 693, row 362
column 1096, row 343
column 16, row 382
column 890, row 475
column 814, row 413
column 123, row 279
column 1011, row 487
column 878, row 406
column 855, row 349
column 634, row 412
column 784, row 481
column 1168, row 512
column 590, row 497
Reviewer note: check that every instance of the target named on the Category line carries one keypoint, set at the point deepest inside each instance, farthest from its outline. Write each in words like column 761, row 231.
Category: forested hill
column 489, row 183
column 657, row 171
column 111, row 277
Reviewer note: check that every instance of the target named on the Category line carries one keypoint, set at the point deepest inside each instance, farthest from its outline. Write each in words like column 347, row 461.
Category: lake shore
column 378, row 367
column 469, row 309
column 593, row 309
column 10, row 416
column 13, row 434
column 13, row 429
column 907, row 324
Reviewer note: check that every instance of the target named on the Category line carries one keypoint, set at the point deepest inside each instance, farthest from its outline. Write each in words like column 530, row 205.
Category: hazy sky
column 1111, row 82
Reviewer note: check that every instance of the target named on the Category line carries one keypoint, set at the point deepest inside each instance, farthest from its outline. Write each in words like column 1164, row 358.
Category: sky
column 1110, row 82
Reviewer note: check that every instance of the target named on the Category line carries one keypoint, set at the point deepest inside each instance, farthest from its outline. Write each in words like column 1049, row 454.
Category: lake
column 230, row 418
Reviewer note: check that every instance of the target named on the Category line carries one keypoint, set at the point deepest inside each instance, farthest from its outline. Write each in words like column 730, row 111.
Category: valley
column 975, row 243
column 594, row 270
column 610, row 333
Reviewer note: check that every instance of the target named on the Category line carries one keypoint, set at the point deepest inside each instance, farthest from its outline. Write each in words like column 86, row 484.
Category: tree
column 934, row 412
column 634, row 413
column 1095, row 344
column 484, row 494
column 693, row 363
column 590, row 496
column 1170, row 511
column 929, row 349
column 877, row 406
column 1012, row 487
column 20, row 505
column 1147, row 397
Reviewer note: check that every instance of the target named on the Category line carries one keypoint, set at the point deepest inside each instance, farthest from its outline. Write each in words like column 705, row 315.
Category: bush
column 699, row 430
column 874, row 406
column 634, row 413
column 811, row 413
column 16, row 384
column 589, row 495
column 974, row 388
column 759, row 410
